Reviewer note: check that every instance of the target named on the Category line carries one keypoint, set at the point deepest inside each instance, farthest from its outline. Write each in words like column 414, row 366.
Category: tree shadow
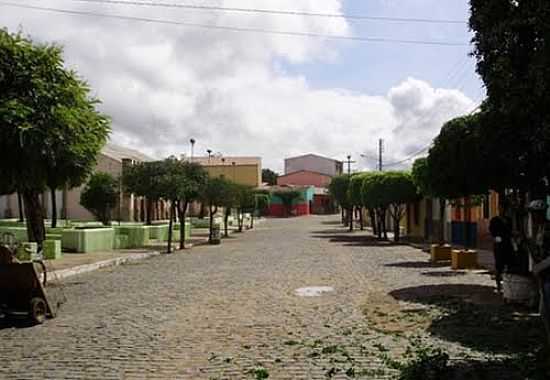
column 447, row 273
column 331, row 222
column 355, row 240
column 417, row 264
column 475, row 317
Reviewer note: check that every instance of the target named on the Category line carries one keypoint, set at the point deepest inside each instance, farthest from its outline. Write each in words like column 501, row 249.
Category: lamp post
column 192, row 141
column 209, row 151
column 233, row 164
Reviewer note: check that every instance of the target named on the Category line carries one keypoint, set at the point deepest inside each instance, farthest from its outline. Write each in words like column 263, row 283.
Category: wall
column 246, row 174
column 304, row 178
column 314, row 164
column 299, row 208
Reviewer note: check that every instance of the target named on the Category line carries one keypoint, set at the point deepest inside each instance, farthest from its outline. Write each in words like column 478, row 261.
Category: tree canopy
column 51, row 131
column 455, row 161
column 513, row 59
column 100, row 196
column 269, row 176
column 338, row 189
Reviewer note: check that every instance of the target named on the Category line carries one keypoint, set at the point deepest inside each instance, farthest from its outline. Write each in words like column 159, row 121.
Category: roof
column 217, row 161
column 118, row 153
column 313, row 155
column 304, row 171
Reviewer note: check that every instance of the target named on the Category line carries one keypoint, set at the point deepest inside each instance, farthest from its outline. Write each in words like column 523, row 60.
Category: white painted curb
column 64, row 273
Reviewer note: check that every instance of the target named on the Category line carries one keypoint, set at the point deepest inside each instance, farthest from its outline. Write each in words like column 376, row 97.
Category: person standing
column 500, row 228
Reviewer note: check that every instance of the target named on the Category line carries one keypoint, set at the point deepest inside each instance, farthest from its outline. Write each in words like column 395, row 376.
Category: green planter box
column 205, row 223
column 121, row 242
column 52, row 249
column 88, row 240
column 27, row 251
column 20, row 233
column 54, row 236
column 138, row 236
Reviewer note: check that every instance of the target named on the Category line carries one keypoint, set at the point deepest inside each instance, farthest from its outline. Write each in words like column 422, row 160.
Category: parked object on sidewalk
column 440, row 252
column 21, row 291
column 463, row 259
column 216, row 234
column 518, row 289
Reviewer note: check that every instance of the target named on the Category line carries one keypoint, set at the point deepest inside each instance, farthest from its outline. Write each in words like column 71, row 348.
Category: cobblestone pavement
column 226, row 312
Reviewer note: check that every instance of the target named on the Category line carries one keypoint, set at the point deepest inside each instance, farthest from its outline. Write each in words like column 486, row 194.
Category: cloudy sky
column 261, row 94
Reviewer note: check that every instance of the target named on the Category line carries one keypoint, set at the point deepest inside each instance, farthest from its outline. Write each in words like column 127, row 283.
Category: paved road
column 223, row 312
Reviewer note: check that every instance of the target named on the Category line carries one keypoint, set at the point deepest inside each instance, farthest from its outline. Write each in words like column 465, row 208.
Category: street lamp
column 209, row 151
column 192, row 141
column 233, row 164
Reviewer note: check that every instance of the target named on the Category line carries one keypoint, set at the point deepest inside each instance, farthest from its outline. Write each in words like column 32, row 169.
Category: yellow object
column 461, row 259
column 440, row 252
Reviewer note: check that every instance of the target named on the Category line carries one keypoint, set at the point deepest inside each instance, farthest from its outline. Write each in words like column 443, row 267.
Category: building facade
column 242, row 170
column 314, row 163
column 112, row 160
column 304, row 178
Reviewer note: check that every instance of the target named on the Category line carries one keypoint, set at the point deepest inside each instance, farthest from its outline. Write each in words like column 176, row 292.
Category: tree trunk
column 252, row 219
column 20, row 204
column 54, row 208
column 213, row 209
column 441, row 221
column 170, row 224
column 372, row 215
column 350, row 212
column 383, row 224
column 343, row 215
column 183, row 212
column 361, row 223
column 241, row 219
column 226, row 221
column 149, row 216
column 466, row 222
column 35, row 217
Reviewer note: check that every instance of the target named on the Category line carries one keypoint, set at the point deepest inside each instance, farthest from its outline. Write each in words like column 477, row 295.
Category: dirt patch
column 390, row 316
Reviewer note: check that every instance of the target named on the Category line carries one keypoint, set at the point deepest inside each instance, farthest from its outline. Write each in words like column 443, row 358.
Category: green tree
column 142, row 179
column 288, row 197
column 100, row 196
column 338, row 189
column 180, row 183
column 229, row 201
column 246, row 201
column 513, row 59
column 356, row 195
column 47, row 117
column 390, row 191
column 455, row 163
column 214, row 195
column 269, row 177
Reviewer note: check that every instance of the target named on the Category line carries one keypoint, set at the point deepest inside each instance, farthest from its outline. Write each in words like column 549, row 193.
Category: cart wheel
column 38, row 310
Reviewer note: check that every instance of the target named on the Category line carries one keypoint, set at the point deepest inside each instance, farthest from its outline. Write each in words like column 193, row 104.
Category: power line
column 236, row 28
column 277, row 12
column 414, row 155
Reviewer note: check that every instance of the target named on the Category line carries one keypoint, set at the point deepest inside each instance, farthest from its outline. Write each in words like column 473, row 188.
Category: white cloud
column 164, row 84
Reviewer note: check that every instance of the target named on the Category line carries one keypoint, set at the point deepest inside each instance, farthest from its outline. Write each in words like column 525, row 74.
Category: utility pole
column 380, row 151
column 350, row 209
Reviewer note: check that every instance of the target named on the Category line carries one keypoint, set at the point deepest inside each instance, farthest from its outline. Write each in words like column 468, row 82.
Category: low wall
column 88, row 240
column 138, row 236
column 20, row 233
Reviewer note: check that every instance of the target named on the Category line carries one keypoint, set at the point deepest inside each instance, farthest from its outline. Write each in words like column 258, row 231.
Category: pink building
column 304, row 178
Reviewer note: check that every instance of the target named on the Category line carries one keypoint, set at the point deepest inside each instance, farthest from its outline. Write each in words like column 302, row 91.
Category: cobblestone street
column 224, row 312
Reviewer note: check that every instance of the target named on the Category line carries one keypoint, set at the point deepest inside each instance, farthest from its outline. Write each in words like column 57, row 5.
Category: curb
column 65, row 273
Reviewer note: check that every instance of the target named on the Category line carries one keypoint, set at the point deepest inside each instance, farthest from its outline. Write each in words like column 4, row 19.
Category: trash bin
column 216, row 234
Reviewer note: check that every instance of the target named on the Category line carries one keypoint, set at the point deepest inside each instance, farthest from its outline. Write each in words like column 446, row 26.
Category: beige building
column 111, row 160
column 243, row 170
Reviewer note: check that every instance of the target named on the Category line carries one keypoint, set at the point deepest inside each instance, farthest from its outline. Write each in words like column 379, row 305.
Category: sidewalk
column 72, row 264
